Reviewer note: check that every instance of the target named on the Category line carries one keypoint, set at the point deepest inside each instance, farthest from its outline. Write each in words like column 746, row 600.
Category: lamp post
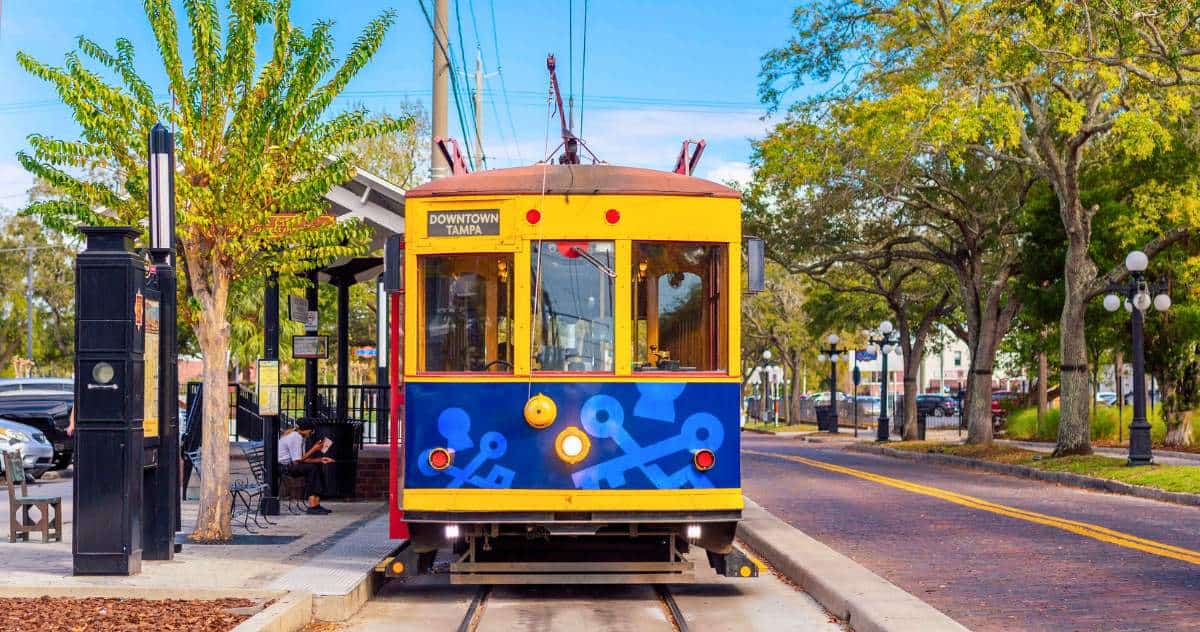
column 766, row 385
column 1137, row 300
column 884, row 339
column 831, row 353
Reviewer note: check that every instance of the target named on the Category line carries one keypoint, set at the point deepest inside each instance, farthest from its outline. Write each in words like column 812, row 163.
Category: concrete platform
column 342, row 578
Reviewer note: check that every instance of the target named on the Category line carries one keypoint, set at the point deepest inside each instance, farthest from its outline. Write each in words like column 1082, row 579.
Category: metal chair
column 19, row 505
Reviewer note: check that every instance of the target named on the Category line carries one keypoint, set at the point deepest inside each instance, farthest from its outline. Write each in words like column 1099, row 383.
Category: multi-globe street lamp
column 1137, row 300
column 831, row 353
column 883, row 340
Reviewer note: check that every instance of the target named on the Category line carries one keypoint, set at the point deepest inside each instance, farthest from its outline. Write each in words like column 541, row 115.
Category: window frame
column 421, row 323
column 720, row 310
column 534, row 318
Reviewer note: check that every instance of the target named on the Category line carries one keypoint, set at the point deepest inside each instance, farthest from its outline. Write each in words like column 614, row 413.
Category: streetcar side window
column 466, row 303
column 679, row 307
column 572, row 296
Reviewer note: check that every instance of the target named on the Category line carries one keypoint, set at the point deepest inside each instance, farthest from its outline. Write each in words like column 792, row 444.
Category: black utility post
column 160, row 500
column 342, row 407
column 269, row 504
column 310, row 328
column 1137, row 301
column 883, row 340
column 109, row 390
column 381, row 360
column 767, row 409
column 831, row 353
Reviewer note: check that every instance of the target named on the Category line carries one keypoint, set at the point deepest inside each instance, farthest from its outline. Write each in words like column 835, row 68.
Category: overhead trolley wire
column 462, row 53
column 583, row 68
column 503, row 88
column 466, row 146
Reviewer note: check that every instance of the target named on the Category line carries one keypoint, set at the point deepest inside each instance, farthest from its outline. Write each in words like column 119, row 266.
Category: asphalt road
column 989, row 566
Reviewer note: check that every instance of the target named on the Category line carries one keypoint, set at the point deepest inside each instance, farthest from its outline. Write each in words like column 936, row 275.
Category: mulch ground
column 102, row 614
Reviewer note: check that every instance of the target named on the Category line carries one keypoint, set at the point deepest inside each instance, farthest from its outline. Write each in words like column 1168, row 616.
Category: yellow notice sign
column 268, row 387
column 150, row 365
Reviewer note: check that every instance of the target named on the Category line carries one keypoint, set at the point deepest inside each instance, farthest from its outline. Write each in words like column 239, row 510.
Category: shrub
column 1023, row 424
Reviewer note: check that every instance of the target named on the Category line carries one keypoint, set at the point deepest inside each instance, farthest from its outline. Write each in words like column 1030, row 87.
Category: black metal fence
column 366, row 407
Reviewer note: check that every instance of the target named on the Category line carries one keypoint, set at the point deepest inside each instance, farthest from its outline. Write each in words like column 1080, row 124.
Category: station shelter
column 355, row 415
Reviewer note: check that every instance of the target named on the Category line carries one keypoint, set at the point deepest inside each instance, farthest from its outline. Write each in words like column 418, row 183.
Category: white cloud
column 15, row 182
column 730, row 171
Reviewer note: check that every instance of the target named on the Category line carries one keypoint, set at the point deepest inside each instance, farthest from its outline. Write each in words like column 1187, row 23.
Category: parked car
column 1108, row 398
column 823, row 397
column 937, row 405
column 36, row 451
column 45, row 404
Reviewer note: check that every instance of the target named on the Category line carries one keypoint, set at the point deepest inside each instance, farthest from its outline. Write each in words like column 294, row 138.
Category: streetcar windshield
column 467, row 304
column 572, row 283
column 677, row 299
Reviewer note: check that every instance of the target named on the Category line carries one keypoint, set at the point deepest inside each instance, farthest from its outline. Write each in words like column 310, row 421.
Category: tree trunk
column 1180, row 434
column 1043, row 375
column 980, row 417
column 1074, row 430
column 212, row 522
column 912, row 360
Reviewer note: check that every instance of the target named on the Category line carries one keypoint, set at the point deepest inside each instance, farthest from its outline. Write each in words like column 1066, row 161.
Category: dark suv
column 45, row 404
column 937, row 405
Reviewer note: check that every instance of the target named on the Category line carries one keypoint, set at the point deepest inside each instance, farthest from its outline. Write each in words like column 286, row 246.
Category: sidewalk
column 325, row 562
column 1161, row 457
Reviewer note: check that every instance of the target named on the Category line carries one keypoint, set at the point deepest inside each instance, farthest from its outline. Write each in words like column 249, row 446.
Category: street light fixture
column 1137, row 295
column 831, row 353
column 884, row 339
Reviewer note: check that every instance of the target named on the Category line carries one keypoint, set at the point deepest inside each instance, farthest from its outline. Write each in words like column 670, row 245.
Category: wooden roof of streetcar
column 573, row 179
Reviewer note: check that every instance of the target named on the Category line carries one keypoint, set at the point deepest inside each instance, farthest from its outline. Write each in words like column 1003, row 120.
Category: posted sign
column 150, row 369
column 463, row 223
column 268, row 387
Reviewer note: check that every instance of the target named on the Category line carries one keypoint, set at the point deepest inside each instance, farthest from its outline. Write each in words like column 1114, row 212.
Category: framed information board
column 310, row 347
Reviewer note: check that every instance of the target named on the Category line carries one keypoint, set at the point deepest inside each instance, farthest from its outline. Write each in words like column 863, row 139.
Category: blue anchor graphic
column 602, row 417
column 454, row 424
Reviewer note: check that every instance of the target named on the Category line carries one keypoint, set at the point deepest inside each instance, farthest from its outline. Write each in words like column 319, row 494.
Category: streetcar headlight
column 693, row 532
column 572, row 445
column 452, row 531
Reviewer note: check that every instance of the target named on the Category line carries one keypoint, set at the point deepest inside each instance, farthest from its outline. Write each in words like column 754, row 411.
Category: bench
column 20, row 524
column 241, row 489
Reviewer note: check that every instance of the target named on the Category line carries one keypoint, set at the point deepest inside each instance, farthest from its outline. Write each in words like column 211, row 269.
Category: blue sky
column 657, row 72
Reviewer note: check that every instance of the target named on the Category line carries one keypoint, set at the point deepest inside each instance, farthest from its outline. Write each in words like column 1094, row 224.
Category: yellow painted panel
column 572, row 500
column 642, row 217
column 682, row 376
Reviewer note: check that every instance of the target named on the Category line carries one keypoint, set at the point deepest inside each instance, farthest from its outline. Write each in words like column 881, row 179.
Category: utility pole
column 29, row 303
column 479, row 109
column 439, row 168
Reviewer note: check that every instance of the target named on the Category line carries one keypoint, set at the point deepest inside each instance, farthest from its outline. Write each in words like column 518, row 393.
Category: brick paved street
column 988, row 571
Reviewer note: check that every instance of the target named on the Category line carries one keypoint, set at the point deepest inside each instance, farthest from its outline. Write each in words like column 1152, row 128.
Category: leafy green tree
column 26, row 245
column 775, row 319
column 1010, row 86
column 255, row 151
column 401, row 156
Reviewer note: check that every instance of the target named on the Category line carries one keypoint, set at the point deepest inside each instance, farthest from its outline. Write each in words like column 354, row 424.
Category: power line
column 503, row 87
column 462, row 53
column 453, row 83
column 583, row 69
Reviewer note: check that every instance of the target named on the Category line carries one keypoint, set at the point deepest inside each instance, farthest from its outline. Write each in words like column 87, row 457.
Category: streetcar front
column 571, row 384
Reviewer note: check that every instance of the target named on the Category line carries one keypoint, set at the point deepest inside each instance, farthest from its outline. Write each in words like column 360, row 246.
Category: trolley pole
column 438, row 167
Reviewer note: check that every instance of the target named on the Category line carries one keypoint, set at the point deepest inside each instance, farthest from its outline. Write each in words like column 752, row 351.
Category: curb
column 1068, row 479
column 864, row 600
column 290, row 613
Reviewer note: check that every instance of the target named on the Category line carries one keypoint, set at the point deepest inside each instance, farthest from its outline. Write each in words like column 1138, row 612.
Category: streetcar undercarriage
column 578, row 547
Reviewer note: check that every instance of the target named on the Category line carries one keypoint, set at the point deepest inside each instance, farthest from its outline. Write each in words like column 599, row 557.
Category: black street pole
column 1139, row 428
column 831, row 353
column 269, row 505
column 884, row 430
column 312, row 295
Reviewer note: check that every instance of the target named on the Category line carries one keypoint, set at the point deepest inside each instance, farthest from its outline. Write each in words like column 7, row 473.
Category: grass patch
column 1171, row 478
column 771, row 427
column 1023, row 424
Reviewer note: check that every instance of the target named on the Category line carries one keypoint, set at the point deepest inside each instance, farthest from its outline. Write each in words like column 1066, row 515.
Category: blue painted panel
column 642, row 435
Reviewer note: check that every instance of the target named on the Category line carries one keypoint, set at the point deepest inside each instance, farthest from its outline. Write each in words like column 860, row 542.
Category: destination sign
column 464, row 223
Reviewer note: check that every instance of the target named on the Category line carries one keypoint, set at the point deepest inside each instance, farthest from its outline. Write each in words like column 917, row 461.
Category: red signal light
column 704, row 459
column 612, row 216
column 533, row 216
column 439, row 458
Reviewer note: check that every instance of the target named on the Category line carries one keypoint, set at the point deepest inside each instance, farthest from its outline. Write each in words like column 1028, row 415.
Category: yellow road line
column 1085, row 529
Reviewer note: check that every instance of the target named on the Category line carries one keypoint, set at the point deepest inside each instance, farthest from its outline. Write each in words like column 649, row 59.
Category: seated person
column 312, row 465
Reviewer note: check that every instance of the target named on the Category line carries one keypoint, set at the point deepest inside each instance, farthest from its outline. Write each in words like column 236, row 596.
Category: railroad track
column 477, row 610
